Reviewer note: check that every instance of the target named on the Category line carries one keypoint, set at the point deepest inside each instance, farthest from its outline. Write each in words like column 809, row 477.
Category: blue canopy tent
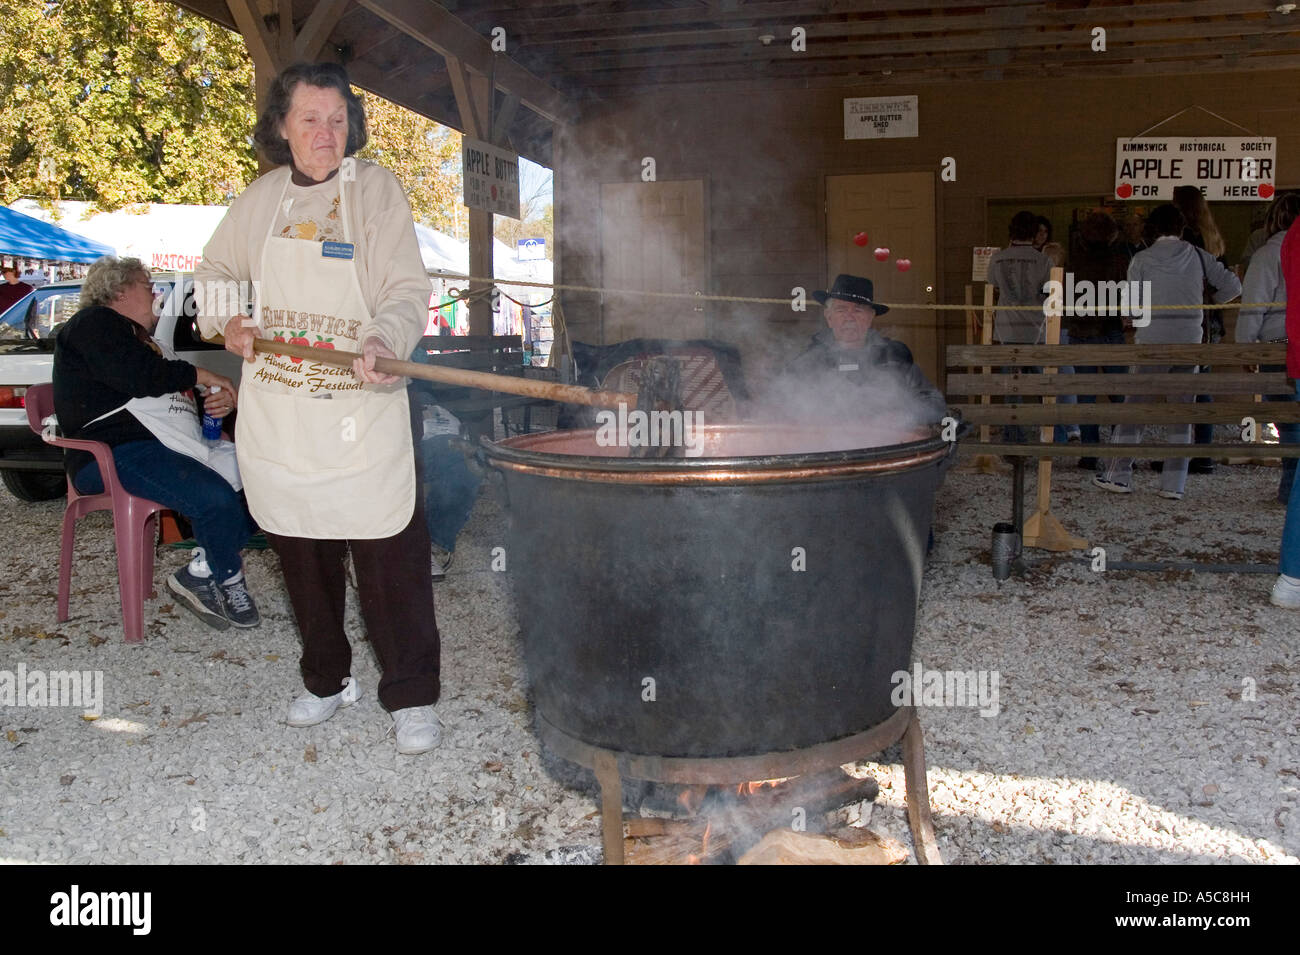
column 30, row 238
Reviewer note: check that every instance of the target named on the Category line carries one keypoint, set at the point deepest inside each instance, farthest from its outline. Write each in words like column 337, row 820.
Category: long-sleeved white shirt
column 1263, row 283
column 1178, row 271
column 390, row 271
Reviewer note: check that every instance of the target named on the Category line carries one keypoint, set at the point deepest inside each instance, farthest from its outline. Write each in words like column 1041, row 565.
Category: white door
column 652, row 239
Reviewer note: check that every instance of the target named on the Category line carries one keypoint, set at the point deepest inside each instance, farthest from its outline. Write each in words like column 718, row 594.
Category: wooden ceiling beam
column 670, row 75
column 856, row 86
column 525, row 15
column 437, row 29
column 376, row 40
column 1117, row 41
column 263, row 45
column 997, row 18
column 316, row 29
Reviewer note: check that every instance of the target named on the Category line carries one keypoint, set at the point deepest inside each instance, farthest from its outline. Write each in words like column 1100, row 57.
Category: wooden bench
column 975, row 372
column 496, row 354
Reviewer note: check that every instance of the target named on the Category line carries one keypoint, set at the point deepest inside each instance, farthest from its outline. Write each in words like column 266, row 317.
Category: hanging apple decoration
column 860, row 240
column 882, row 255
column 903, row 264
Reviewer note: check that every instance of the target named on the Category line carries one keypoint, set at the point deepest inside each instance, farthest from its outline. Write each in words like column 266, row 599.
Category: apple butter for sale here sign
column 491, row 178
column 1225, row 169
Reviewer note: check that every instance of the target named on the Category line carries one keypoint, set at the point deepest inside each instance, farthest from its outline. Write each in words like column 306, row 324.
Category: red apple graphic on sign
column 278, row 338
column 861, row 239
column 1124, row 190
column 882, row 254
column 1265, row 190
column 298, row 339
column 323, row 343
column 903, row 264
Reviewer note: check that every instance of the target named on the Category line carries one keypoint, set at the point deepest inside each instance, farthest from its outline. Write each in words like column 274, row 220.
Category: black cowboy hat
column 851, row 288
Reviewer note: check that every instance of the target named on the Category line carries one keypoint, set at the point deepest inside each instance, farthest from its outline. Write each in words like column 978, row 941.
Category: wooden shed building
column 738, row 108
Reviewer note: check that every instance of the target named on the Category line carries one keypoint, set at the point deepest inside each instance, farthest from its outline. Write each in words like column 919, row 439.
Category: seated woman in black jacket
column 113, row 383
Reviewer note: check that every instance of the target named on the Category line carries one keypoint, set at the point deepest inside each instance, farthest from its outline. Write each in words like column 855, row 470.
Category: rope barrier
column 753, row 300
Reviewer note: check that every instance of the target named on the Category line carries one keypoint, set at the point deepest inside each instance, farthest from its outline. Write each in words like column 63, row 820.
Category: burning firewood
column 671, row 842
column 787, row 847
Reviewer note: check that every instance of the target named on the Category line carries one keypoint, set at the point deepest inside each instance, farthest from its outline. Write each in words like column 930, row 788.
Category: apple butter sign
column 491, row 178
column 894, row 117
column 1225, row 169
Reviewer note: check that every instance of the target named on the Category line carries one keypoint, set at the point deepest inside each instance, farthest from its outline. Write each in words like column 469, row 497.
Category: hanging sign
column 893, row 117
column 491, row 177
column 1225, row 168
column 979, row 269
column 530, row 250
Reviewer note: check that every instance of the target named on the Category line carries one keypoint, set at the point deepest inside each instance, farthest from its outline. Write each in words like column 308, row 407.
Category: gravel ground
column 1126, row 729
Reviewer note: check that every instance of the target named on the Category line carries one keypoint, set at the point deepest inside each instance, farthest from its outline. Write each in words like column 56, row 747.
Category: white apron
column 322, row 455
column 174, row 420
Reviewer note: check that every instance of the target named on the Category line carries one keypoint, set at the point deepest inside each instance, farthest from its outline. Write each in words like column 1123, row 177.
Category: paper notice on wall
column 894, row 117
column 1225, row 169
column 979, row 268
column 491, row 177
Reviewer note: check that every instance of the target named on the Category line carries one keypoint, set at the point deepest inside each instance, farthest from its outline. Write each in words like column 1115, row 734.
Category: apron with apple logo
column 322, row 455
column 174, row 420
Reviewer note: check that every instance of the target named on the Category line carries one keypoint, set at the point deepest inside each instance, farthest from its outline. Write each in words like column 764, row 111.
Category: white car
column 31, row 469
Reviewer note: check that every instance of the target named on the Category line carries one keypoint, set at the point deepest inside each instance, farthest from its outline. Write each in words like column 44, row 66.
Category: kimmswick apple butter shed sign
column 1225, row 169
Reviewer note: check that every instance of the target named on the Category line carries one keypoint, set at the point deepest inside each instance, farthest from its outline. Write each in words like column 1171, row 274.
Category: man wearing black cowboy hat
column 850, row 351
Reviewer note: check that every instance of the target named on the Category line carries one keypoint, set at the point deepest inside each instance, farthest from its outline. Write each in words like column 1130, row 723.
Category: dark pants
column 395, row 585
column 1204, row 432
column 1023, row 434
column 1091, row 433
column 150, row 470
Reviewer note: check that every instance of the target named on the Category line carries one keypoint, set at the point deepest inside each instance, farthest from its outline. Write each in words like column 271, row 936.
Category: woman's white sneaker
column 418, row 730
column 1286, row 593
column 310, row 709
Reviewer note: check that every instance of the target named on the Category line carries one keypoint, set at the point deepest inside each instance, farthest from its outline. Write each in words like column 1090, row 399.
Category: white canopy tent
column 443, row 254
column 171, row 238
column 164, row 237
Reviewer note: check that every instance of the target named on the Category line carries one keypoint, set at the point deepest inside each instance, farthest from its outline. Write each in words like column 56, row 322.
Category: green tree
column 121, row 101
column 423, row 155
column 124, row 101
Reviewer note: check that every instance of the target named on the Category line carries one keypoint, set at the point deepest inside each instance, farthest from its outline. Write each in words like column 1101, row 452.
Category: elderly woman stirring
column 327, row 455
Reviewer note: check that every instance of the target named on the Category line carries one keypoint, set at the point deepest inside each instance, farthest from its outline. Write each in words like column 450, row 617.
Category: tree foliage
column 126, row 101
column 122, row 101
column 423, row 155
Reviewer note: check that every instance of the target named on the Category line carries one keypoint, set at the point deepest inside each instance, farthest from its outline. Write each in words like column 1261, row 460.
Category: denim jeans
column 216, row 510
column 1290, row 562
column 1288, row 433
column 1091, row 433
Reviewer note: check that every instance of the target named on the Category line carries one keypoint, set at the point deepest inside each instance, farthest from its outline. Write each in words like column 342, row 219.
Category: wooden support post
column 984, row 463
column 474, row 103
column 1043, row 530
column 264, row 48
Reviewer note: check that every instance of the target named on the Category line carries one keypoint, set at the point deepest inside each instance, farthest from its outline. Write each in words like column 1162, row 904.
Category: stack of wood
column 763, row 825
